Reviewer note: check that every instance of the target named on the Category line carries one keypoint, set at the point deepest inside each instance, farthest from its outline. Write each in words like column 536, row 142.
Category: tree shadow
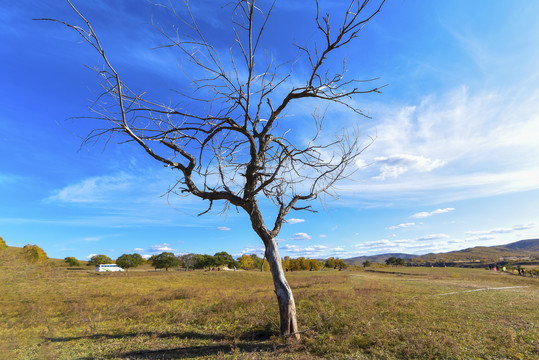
column 197, row 351
column 251, row 341
column 188, row 334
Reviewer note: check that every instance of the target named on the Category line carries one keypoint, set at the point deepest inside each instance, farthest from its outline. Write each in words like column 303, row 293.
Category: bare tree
column 228, row 146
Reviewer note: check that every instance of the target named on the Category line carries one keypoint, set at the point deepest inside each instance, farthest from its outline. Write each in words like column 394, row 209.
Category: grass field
column 50, row 312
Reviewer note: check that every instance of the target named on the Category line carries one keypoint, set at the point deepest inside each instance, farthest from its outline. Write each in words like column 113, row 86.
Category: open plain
column 49, row 311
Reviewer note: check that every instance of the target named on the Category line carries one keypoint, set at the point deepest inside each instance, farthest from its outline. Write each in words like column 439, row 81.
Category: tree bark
column 285, row 298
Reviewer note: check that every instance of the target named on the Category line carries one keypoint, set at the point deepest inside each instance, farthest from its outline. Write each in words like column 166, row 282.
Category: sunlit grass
column 50, row 312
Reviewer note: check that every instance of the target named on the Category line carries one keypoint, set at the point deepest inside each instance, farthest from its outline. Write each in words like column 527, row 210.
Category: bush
column 34, row 253
column 71, row 261
column 99, row 259
column 3, row 244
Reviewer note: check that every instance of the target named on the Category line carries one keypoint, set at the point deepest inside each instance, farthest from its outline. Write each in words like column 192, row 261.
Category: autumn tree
column 229, row 142
column 3, row 244
column 246, row 262
column 34, row 253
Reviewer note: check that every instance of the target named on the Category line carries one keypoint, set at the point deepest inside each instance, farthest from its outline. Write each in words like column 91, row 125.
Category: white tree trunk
column 287, row 306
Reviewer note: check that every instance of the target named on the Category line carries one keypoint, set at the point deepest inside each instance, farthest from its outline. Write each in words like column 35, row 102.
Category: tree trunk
column 287, row 306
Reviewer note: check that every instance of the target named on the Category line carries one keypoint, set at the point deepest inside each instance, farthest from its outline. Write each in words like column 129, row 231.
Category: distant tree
column 127, row 261
column 399, row 262
column 34, row 253
column 366, row 263
column 340, row 263
column 313, row 264
column 330, row 263
column 286, row 262
column 391, row 261
column 165, row 261
column 71, row 261
column 223, row 258
column 99, row 259
column 188, row 261
column 246, row 262
column 257, row 261
column 3, row 244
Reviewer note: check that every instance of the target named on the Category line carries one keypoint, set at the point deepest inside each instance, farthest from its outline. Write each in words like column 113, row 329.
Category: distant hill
column 377, row 258
column 519, row 249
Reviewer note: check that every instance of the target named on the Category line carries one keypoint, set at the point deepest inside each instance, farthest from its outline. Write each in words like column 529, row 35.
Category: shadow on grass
column 197, row 351
column 188, row 335
column 252, row 341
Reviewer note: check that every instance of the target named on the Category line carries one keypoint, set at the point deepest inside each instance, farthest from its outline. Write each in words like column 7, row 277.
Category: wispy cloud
column 395, row 165
column 461, row 144
column 223, row 228
column 308, row 251
column 401, row 226
column 301, row 236
column 92, row 238
column 425, row 214
column 495, row 231
column 434, row 237
column 162, row 248
column 94, row 189
column 295, row 221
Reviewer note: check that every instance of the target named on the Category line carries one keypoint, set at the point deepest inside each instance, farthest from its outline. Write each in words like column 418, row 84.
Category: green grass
column 50, row 312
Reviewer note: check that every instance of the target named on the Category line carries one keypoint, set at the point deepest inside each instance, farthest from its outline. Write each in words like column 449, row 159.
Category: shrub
column 71, row 261
column 34, row 253
column 3, row 244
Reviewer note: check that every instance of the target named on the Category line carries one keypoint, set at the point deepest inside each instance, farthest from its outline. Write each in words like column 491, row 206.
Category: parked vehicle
column 108, row 267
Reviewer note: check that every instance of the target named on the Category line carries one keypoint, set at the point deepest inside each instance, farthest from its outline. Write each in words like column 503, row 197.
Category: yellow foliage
column 34, row 253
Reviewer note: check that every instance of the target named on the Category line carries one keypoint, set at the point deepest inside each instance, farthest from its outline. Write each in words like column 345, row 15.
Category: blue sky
column 455, row 163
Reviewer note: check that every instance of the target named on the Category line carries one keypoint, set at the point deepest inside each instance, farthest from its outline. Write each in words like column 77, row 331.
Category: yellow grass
column 50, row 312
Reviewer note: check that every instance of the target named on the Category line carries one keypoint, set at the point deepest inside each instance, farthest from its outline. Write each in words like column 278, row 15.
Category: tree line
column 167, row 260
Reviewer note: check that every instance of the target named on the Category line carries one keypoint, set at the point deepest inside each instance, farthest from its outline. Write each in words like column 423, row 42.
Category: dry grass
column 50, row 312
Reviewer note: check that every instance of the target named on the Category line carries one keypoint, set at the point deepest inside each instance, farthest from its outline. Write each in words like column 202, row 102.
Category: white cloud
column 309, row 251
column 92, row 238
column 484, row 234
column 395, row 165
column 90, row 256
column 434, row 237
column 295, row 221
column 323, row 236
column 161, row 248
column 484, row 139
column 401, row 226
column 138, row 249
column 424, row 214
column 301, row 236
column 223, row 228
column 94, row 189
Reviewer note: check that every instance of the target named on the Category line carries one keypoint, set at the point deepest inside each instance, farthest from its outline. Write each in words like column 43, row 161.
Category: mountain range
column 514, row 251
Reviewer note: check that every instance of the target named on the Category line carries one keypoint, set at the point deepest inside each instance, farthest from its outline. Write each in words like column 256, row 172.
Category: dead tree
column 227, row 145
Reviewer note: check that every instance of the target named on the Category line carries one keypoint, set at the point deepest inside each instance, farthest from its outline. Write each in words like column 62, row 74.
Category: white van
column 108, row 267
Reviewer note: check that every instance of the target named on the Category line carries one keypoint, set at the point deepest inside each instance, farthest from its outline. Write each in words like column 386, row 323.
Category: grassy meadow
column 48, row 311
